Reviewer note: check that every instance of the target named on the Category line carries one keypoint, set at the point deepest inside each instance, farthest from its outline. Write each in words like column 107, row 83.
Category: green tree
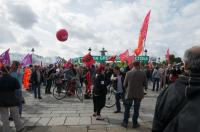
column 174, row 59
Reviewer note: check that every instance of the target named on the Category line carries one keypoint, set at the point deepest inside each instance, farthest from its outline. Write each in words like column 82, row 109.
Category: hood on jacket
column 192, row 85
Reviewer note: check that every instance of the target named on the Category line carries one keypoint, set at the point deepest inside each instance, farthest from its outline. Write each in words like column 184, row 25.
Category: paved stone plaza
column 70, row 115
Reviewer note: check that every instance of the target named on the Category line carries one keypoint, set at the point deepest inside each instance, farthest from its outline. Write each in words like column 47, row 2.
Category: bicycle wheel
column 110, row 98
column 59, row 93
column 79, row 93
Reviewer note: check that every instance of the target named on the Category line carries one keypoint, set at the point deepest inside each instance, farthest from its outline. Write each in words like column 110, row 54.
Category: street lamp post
column 89, row 50
column 158, row 59
column 145, row 52
column 32, row 50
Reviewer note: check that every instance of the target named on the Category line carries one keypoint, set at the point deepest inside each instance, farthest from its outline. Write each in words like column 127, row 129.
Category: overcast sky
column 113, row 24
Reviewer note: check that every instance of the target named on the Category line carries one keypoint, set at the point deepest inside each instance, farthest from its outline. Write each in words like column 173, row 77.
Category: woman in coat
column 99, row 92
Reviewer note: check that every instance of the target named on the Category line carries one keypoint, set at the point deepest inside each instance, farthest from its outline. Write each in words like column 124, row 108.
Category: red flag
column 88, row 60
column 68, row 63
column 167, row 56
column 130, row 59
column 123, row 57
column 1, row 64
column 143, row 34
column 112, row 58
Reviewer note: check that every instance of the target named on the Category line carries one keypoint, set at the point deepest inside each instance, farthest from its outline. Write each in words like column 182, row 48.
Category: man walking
column 156, row 78
column 118, row 79
column 134, row 84
column 8, row 100
column 177, row 107
column 36, row 79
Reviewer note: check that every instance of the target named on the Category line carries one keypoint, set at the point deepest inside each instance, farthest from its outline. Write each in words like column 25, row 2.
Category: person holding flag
column 88, row 60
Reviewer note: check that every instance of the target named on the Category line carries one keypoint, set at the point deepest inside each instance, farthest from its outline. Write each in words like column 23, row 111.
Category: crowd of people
column 130, row 83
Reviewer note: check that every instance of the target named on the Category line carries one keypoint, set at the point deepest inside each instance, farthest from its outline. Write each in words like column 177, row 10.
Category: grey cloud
column 80, row 33
column 6, row 35
column 30, row 41
column 22, row 14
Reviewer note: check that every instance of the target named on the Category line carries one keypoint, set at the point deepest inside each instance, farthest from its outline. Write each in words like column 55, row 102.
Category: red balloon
column 62, row 35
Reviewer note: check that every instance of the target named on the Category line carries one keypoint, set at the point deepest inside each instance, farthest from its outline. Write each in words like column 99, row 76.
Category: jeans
column 48, row 86
column 4, row 111
column 37, row 91
column 118, row 96
column 20, row 96
column 128, row 105
column 156, row 82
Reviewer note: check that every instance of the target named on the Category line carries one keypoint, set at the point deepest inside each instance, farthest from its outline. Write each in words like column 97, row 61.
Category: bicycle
column 110, row 97
column 68, row 88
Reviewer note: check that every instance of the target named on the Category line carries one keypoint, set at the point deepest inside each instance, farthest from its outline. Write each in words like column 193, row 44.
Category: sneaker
column 95, row 114
column 99, row 118
column 124, row 125
column 136, row 125
column 39, row 97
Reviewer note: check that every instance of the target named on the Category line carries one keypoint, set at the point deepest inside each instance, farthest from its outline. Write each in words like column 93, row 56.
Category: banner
column 123, row 57
column 167, row 57
column 130, row 59
column 27, row 60
column 143, row 34
column 112, row 58
column 5, row 58
column 88, row 60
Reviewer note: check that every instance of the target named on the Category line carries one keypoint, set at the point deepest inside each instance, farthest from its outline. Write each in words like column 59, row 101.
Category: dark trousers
column 19, row 95
column 99, row 103
column 128, row 105
column 48, row 87
column 36, row 89
column 156, row 82
column 118, row 96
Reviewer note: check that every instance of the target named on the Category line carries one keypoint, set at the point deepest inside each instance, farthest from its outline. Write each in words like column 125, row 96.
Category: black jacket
column 178, row 107
column 100, row 85
column 34, row 78
column 108, row 74
column 8, row 86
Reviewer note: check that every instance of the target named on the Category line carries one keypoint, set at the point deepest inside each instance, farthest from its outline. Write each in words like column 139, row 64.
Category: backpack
column 187, row 115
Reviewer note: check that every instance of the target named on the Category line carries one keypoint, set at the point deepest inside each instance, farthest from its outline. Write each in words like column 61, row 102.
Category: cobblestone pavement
column 70, row 115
